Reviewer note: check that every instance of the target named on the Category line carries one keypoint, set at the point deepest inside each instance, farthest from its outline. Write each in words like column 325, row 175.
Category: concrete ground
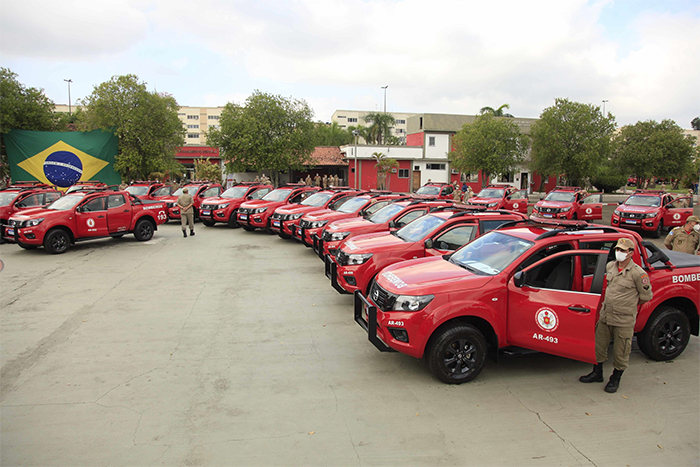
column 231, row 348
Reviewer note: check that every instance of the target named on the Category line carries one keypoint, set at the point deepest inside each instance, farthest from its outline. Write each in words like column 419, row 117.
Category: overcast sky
column 435, row 56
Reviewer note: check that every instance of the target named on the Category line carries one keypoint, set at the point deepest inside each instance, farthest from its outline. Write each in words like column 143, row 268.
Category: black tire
column 208, row 223
column 232, row 222
column 458, row 354
column 144, row 230
column 26, row 247
column 57, row 242
column 248, row 228
column 666, row 334
column 660, row 228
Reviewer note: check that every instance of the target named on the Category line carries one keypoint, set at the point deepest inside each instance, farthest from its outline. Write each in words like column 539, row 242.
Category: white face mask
column 620, row 256
column 696, row 227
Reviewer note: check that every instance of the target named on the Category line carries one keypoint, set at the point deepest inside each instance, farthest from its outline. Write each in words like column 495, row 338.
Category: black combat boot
column 614, row 382
column 595, row 376
column 192, row 232
column 184, row 234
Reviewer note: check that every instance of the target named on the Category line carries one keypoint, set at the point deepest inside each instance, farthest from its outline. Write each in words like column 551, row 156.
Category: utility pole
column 384, row 88
column 604, row 101
column 69, row 108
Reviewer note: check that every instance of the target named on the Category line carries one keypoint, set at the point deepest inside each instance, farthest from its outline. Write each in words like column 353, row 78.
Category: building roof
column 327, row 155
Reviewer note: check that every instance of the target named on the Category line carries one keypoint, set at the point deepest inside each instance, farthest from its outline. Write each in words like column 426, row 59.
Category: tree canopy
column 331, row 135
column 380, row 125
column 571, row 139
column 269, row 132
column 492, row 145
column 146, row 123
column 695, row 123
column 384, row 165
column 652, row 149
column 496, row 112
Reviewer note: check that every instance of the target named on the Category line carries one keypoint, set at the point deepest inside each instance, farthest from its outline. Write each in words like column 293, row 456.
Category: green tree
column 146, row 123
column 364, row 134
column 384, row 165
column 571, row 139
column 331, row 135
column 492, row 145
column 205, row 170
column 21, row 108
column 651, row 149
column 380, row 125
column 496, row 112
column 608, row 177
column 270, row 133
column 695, row 123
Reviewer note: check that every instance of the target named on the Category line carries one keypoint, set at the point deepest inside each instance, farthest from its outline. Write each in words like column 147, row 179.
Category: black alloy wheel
column 144, row 230
column 57, row 242
column 458, row 354
column 666, row 334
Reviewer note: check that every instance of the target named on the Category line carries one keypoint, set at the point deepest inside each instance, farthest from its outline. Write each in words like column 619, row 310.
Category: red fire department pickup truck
column 537, row 286
column 225, row 207
column 651, row 211
column 501, row 197
column 21, row 196
column 569, row 202
column 149, row 190
column 391, row 217
column 257, row 214
column 437, row 190
column 85, row 215
column 199, row 190
column 285, row 219
column 361, row 258
column 312, row 224
column 84, row 184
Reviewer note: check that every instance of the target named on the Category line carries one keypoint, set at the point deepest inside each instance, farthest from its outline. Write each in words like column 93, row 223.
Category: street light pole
column 355, row 133
column 384, row 88
column 604, row 101
column 68, row 81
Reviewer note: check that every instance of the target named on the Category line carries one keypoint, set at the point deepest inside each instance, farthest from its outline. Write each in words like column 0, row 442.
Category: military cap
column 625, row 244
column 692, row 219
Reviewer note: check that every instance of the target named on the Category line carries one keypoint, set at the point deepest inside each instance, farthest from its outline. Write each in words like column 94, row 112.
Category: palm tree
column 380, row 125
column 496, row 112
column 363, row 131
column 384, row 166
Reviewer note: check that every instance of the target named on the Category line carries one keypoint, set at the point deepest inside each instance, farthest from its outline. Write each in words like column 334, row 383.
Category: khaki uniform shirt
column 185, row 200
column 624, row 291
column 680, row 240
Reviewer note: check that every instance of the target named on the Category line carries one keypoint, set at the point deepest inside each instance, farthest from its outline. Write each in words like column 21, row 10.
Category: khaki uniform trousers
column 187, row 218
column 622, row 344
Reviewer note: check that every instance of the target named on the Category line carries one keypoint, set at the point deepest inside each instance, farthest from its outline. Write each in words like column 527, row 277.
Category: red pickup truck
column 149, row 190
column 225, row 207
column 311, row 225
column 85, row 215
column 569, row 202
column 501, row 197
column 257, row 214
column 199, row 191
column 437, row 190
column 361, row 258
column 537, row 286
column 21, row 196
column 651, row 211
column 391, row 217
column 285, row 219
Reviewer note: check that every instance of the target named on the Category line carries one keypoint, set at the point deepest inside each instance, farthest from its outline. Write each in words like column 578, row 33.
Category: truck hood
column 417, row 276
column 354, row 223
column 372, row 243
column 478, row 200
column 636, row 209
column 327, row 214
column 553, row 204
column 259, row 203
column 217, row 200
column 34, row 213
column 297, row 209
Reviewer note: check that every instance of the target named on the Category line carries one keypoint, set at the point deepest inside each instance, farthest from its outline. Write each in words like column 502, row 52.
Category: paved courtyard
column 231, row 348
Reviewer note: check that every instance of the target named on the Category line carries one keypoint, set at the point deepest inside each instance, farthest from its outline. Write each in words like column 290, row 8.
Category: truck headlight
column 650, row 215
column 335, row 236
column 492, row 205
column 617, row 213
column 33, row 222
column 358, row 258
column 295, row 216
column 565, row 209
column 317, row 224
column 221, row 206
column 412, row 302
column 259, row 210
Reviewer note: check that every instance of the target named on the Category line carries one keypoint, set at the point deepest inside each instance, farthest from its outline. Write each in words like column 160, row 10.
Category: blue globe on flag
column 63, row 168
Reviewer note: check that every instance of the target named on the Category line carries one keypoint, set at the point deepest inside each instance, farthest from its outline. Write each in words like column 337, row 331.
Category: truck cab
column 569, row 202
column 652, row 211
column 437, row 190
column 224, row 208
column 149, row 190
column 501, row 197
column 22, row 196
column 257, row 214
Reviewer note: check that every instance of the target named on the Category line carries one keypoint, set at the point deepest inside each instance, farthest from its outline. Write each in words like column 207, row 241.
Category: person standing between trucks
column 308, row 180
column 185, row 202
column 685, row 238
column 628, row 287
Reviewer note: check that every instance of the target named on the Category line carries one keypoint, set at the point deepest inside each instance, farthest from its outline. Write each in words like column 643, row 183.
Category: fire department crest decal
column 547, row 319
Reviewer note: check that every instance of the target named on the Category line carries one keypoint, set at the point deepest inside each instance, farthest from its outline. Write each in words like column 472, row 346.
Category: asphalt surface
column 231, row 348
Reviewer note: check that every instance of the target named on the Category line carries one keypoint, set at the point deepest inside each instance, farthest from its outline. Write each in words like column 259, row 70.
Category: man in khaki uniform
column 628, row 287
column 685, row 238
column 185, row 202
column 325, row 181
column 317, row 181
column 308, row 180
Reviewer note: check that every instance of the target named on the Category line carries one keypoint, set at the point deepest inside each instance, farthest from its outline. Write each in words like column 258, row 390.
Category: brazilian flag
column 62, row 158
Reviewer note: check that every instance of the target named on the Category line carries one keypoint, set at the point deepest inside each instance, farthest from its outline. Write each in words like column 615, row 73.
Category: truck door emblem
column 676, row 216
column 515, row 205
column 91, row 222
column 589, row 211
column 547, row 319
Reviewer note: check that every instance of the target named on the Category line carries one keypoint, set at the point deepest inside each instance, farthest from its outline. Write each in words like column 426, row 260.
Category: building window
column 403, row 173
column 212, row 117
column 435, row 166
column 472, row 177
column 192, row 135
column 400, row 122
column 431, row 141
column 352, row 120
column 193, row 117
column 181, row 114
column 341, row 116
column 196, row 127
column 400, row 131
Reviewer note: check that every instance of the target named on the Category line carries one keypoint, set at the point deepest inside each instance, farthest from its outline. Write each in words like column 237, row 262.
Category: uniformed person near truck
column 685, row 238
column 185, row 202
column 628, row 287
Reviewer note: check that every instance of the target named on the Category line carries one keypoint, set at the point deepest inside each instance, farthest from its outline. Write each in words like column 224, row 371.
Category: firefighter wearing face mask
column 628, row 287
column 685, row 238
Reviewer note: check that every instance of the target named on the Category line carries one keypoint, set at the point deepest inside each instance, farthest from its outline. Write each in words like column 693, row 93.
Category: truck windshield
column 420, row 228
column 491, row 253
column 317, row 199
column 650, row 201
column 490, row 193
column 386, row 213
column 352, row 205
column 66, row 202
column 561, row 197
column 235, row 192
column 6, row 198
column 428, row 190
column 137, row 190
column 277, row 195
column 191, row 189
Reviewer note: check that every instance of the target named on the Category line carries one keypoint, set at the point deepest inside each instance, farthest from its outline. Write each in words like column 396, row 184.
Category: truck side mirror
column 541, row 198
column 392, row 224
column 519, row 279
column 363, row 213
column 429, row 243
column 620, row 203
column 249, row 197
